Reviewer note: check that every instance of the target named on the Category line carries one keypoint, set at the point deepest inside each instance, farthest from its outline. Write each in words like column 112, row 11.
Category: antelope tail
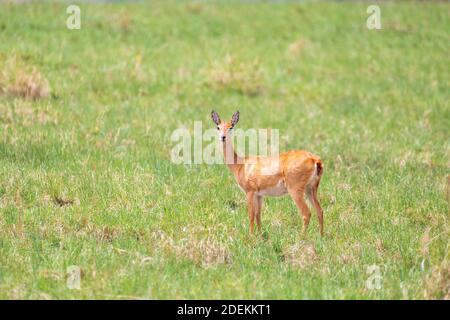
column 319, row 167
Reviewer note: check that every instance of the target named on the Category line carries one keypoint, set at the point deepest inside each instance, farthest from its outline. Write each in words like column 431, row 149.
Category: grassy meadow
column 86, row 177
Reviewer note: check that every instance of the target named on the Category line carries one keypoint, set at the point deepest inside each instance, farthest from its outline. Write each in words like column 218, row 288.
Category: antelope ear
column 215, row 117
column 235, row 118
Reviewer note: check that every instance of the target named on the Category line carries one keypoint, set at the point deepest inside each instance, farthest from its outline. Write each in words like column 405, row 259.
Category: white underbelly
column 278, row 190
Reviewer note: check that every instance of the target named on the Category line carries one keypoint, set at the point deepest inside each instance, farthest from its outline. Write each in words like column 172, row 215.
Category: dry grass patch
column 51, row 274
column 234, row 74
column 300, row 255
column 122, row 21
column 351, row 254
column 20, row 80
column 106, row 233
column 101, row 233
column 26, row 113
column 425, row 242
column 206, row 252
column 437, row 284
column 195, row 8
column 63, row 201
column 30, row 85
column 296, row 47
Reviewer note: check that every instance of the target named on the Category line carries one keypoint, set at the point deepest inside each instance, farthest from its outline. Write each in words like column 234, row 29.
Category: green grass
column 374, row 105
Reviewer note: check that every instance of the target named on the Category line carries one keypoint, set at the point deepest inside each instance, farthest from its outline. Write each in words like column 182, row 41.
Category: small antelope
column 295, row 172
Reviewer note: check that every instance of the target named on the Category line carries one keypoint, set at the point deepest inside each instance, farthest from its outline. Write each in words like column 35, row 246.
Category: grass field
column 87, row 179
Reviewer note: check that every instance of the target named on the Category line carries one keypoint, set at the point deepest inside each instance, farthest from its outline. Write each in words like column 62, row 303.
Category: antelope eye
column 217, row 127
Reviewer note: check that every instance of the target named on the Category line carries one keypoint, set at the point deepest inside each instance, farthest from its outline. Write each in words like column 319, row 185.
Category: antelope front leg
column 251, row 211
column 258, row 206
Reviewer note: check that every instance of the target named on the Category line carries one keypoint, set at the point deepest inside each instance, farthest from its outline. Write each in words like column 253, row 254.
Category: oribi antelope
column 296, row 172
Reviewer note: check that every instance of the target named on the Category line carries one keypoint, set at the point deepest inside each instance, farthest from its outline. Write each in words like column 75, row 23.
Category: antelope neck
column 232, row 159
